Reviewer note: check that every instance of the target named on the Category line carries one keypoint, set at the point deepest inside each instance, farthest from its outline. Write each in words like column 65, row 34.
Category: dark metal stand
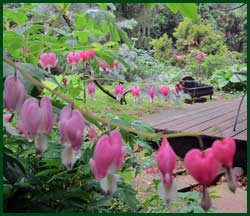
column 238, row 111
column 243, row 96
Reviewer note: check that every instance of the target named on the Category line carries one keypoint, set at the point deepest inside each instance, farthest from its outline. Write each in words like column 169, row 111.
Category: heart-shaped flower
column 14, row 93
column 71, row 127
column 204, row 167
column 108, row 157
column 224, row 151
column 164, row 90
column 151, row 94
column 37, row 120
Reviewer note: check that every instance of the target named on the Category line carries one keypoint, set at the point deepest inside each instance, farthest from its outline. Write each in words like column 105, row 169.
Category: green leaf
column 82, row 36
column 7, row 69
column 102, row 5
column 173, row 7
column 144, row 144
column 81, row 22
column 126, row 197
column 12, row 41
column 150, row 6
column 18, row 17
column 189, row 10
column 238, row 78
column 228, row 75
column 46, row 172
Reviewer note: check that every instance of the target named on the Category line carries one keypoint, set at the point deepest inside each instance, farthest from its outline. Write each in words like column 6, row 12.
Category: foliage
column 162, row 47
column 165, row 22
column 198, row 35
column 42, row 183
column 231, row 22
column 186, row 9
column 33, row 183
column 225, row 78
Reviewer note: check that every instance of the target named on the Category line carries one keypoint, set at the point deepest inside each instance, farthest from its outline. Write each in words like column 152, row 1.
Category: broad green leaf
column 189, row 10
column 81, row 22
column 82, row 36
column 150, row 6
column 173, row 7
column 12, row 41
column 228, row 75
column 102, row 5
column 238, row 78
column 7, row 69
column 18, row 17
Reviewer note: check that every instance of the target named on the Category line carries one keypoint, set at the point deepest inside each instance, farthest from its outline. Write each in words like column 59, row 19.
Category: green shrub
column 162, row 47
column 197, row 35
column 205, row 68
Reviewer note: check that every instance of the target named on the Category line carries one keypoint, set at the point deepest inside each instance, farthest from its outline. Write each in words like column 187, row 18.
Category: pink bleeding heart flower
column 7, row 117
column 119, row 91
column 48, row 60
column 164, row 90
column 151, row 94
column 201, row 56
column 178, row 57
column 71, row 127
column 84, row 55
column 136, row 92
column 91, row 54
column 224, row 151
column 14, row 93
column 115, row 63
column 104, row 65
column 91, row 89
column 204, row 168
column 37, row 120
column 166, row 161
column 178, row 88
column 74, row 58
column 108, row 157
column 92, row 134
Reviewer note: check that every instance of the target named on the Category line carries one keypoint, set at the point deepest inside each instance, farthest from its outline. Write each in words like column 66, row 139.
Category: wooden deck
column 213, row 118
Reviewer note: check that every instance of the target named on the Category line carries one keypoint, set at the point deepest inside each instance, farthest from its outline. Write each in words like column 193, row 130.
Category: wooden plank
column 216, row 128
column 195, row 119
column 174, row 114
column 242, row 135
column 240, row 127
column 203, row 118
column 216, row 121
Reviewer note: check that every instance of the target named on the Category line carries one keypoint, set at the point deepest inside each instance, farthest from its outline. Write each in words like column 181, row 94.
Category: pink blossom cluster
column 203, row 166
